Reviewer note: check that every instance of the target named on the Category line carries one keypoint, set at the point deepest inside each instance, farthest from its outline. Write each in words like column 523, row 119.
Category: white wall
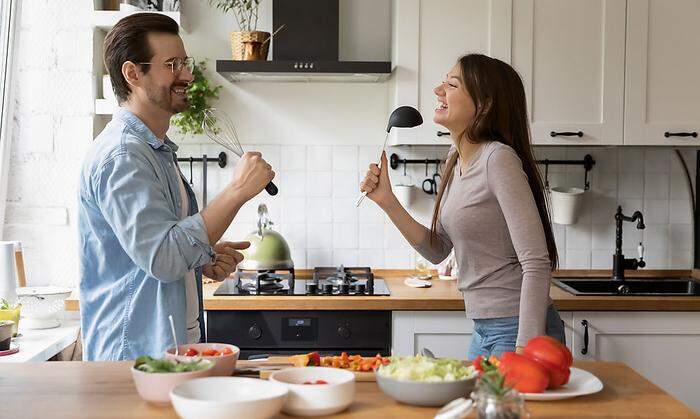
column 319, row 137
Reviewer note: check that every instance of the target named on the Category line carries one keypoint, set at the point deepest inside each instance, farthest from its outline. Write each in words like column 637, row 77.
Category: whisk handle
column 271, row 188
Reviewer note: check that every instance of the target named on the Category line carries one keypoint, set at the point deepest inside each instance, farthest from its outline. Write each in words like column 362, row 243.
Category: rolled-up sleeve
column 135, row 203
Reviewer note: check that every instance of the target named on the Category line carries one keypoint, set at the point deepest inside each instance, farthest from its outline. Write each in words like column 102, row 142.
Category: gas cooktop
column 326, row 282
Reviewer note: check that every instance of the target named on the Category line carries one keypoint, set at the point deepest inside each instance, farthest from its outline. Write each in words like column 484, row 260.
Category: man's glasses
column 177, row 64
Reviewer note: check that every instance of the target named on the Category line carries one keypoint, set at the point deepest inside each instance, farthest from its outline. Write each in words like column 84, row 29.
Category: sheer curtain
column 8, row 11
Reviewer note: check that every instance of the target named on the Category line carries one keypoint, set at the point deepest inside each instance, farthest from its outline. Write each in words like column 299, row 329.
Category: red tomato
column 307, row 382
column 321, row 382
column 553, row 355
column 191, row 352
column 522, row 373
column 226, row 351
column 314, row 359
column 210, row 352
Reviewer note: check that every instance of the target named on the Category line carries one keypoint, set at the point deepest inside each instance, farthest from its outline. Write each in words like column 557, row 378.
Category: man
column 143, row 245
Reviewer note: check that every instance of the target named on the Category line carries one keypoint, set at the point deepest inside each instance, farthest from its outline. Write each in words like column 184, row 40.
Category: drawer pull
column 566, row 134
column 693, row 134
column 584, row 350
column 443, row 133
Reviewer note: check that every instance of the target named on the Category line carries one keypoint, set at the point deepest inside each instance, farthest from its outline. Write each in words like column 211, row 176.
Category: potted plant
column 199, row 94
column 247, row 43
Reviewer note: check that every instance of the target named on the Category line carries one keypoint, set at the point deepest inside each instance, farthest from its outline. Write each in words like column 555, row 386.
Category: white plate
column 580, row 383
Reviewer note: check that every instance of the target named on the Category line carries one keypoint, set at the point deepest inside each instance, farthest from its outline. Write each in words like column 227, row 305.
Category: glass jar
column 509, row 405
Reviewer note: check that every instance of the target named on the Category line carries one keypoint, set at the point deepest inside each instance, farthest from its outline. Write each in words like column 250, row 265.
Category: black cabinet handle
column 443, row 133
column 566, row 134
column 584, row 350
column 693, row 134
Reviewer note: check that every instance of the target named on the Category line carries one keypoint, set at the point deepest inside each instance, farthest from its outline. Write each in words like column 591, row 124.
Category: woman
column 490, row 208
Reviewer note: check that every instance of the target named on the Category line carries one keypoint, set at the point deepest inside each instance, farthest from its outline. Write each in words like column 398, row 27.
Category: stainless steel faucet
column 619, row 261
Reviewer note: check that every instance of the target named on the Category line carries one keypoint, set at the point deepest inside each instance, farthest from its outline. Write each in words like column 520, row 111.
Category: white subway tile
column 319, row 184
column 270, row 153
column 578, row 237
column 603, row 237
column 319, row 158
column 366, row 156
column 397, row 259
column 374, row 258
column 319, row 257
column 345, row 158
column 345, row 236
column 601, row 259
column 319, row 236
column 679, row 187
column 630, row 205
column 293, row 157
column 631, row 185
column 656, row 211
column 299, row 258
column 606, row 160
column 371, row 236
column 681, row 259
column 345, row 184
column 656, row 185
column 318, row 210
column 603, row 210
column 680, row 211
column 681, row 236
column 631, row 160
column 655, row 258
column 655, row 236
column 578, row 259
column 294, row 210
column 345, row 257
column 604, row 184
column 393, row 239
column 295, row 234
column 656, row 160
column 292, row 183
column 345, row 211
column 370, row 212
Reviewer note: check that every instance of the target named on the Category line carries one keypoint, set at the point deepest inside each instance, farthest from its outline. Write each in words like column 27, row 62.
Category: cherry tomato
column 210, row 352
column 226, row 351
column 321, row 382
column 191, row 352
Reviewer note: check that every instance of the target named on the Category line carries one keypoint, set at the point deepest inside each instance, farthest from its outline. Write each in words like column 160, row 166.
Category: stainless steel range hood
column 306, row 50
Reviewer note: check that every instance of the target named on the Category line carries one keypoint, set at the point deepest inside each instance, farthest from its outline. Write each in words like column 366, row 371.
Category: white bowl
column 40, row 305
column 228, row 398
column 224, row 365
column 316, row 399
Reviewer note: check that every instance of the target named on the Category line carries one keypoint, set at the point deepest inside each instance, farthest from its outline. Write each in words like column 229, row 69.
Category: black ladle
column 402, row 117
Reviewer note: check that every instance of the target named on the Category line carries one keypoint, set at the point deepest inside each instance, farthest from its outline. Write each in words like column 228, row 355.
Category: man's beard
column 162, row 98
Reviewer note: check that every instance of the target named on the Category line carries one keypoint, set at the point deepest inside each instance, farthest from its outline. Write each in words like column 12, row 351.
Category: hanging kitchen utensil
column 220, row 129
column 268, row 249
column 402, row 117
column 191, row 161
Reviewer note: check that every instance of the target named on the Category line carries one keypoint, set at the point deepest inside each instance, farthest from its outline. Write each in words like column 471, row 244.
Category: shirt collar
column 143, row 131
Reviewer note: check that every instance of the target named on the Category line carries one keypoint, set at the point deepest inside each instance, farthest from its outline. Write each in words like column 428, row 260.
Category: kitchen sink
column 649, row 287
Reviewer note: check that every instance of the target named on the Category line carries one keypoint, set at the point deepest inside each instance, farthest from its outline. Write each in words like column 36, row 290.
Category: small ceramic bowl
column 223, row 364
column 316, row 399
column 5, row 334
column 155, row 387
column 227, row 398
column 423, row 393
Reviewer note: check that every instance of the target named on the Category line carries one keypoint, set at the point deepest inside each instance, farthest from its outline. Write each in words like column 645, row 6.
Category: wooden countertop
column 444, row 295
column 106, row 390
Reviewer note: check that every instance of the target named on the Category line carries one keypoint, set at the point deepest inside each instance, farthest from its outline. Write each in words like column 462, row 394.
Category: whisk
column 220, row 129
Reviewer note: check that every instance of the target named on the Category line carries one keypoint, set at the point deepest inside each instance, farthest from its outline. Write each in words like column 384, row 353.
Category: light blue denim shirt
column 134, row 248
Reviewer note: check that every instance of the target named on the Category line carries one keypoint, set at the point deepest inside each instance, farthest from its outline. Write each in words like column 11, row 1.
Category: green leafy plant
column 199, row 93
column 245, row 11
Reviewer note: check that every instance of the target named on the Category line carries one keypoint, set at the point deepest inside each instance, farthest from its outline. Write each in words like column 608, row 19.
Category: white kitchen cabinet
column 428, row 38
column 570, row 55
column 662, row 346
column 445, row 333
column 662, row 93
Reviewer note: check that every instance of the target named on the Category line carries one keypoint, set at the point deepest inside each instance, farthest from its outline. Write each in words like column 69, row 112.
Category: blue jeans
column 498, row 335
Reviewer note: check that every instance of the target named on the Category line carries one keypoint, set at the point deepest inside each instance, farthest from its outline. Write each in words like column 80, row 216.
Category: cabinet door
column 662, row 93
column 570, row 55
column 662, row 346
column 445, row 333
column 447, row 29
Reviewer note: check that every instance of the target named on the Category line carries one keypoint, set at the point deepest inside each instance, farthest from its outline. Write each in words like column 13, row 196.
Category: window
column 8, row 10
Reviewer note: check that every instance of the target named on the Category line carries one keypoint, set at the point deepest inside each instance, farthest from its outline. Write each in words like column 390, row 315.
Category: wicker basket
column 249, row 45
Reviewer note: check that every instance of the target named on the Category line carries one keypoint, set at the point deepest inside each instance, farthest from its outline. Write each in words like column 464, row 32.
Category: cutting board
column 281, row 360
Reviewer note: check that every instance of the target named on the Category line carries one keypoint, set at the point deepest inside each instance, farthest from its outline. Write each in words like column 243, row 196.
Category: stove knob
column 311, row 288
column 255, row 332
column 360, row 288
column 328, row 289
column 344, row 332
column 344, row 289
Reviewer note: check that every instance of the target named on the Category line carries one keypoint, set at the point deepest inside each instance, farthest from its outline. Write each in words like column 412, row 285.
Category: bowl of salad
column 154, row 378
column 222, row 355
column 423, row 381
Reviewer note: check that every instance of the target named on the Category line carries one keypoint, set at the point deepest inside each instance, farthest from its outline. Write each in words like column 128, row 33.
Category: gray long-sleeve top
column 488, row 214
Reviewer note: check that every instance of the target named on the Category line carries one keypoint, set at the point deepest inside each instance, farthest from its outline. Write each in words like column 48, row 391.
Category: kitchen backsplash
column 318, row 185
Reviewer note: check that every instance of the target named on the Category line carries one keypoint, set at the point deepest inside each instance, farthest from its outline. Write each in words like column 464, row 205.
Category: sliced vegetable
column 420, row 368
column 148, row 364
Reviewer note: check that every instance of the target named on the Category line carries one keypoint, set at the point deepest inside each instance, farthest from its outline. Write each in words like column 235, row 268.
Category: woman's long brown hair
column 501, row 115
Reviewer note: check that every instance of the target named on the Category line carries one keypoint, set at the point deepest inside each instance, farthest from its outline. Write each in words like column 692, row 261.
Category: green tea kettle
column 268, row 249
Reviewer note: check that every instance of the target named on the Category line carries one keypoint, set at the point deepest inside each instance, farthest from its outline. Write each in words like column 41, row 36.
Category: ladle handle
column 360, row 198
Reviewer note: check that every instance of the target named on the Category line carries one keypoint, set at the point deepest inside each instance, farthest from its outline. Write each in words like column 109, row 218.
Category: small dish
column 228, row 398
column 581, row 383
column 155, row 387
column 334, row 396
column 425, row 393
column 224, row 365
